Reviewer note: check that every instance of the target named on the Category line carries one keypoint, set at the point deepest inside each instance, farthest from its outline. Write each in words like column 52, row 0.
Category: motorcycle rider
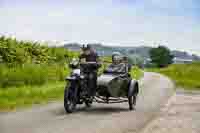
column 89, row 55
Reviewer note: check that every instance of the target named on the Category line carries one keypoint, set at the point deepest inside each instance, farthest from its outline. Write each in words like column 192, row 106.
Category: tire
column 70, row 99
column 130, row 102
column 132, row 97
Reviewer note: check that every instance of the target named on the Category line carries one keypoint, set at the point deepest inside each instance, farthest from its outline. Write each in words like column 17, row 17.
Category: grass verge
column 136, row 73
column 186, row 76
column 25, row 96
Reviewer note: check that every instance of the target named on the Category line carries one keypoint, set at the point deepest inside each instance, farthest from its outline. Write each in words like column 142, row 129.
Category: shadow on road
column 92, row 110
column 103, row 110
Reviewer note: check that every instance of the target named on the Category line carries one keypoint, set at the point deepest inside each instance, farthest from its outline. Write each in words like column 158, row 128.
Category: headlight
column 82, row 77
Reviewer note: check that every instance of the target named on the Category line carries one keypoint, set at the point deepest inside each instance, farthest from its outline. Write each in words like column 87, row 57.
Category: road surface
column 179, row 115
column 101, row 118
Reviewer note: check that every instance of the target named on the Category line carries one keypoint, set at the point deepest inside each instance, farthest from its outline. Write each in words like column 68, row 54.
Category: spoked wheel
column 132, row 101
column 70, row 99
column 132, row 96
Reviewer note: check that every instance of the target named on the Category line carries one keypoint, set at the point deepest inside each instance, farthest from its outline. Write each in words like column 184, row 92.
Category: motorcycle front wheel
column 70, row 98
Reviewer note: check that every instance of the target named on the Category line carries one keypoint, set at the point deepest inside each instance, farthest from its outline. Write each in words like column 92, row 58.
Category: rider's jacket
column 92, row 57
column 121, row 68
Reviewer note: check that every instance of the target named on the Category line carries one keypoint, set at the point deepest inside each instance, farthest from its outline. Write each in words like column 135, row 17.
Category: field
column 32, row 73
column 27, row 95
column 186, row 76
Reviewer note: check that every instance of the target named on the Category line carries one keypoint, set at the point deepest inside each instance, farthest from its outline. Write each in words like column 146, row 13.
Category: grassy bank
column 184, row 75
column 22, row 86
column 31, row 74
column 28, row 94
column 25, row 96
column 136, row 73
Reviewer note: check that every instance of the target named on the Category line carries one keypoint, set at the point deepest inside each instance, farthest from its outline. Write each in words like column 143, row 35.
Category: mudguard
column 133, row 88
column 70, row 78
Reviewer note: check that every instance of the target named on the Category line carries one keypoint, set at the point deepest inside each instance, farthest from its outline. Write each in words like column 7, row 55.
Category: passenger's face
column 116, row 60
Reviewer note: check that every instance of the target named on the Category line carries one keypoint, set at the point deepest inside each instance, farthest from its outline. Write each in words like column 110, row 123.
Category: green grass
column 22, row 86
column 136, row 73
column 31, row 74
column 13, row 97
column 184, row 75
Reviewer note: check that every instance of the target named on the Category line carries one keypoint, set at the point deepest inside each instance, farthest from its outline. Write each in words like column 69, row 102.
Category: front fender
column 133, row 88
column 71, row 78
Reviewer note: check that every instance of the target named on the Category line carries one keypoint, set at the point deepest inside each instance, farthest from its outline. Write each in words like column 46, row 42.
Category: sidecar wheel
column 69, row 99
column 130, row 102
column 134, row 99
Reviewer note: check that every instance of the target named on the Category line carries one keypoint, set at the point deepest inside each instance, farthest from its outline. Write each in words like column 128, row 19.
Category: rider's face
column 87, row 51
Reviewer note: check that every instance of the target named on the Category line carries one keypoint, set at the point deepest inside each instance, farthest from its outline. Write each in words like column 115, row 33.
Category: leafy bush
column 136, row 73
column 31, row 63
column 161, row 56
column 14, row 52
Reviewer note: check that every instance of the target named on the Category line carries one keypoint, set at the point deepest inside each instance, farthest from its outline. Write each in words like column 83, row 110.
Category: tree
column 161, row 56
column 136, row 59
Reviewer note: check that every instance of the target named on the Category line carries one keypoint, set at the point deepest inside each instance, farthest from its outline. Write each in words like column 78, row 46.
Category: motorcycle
column 76, row 89
column 112, row 87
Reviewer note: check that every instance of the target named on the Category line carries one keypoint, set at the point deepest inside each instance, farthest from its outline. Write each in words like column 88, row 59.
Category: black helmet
column 83, row 47
column 86, row 46
column 89, row 46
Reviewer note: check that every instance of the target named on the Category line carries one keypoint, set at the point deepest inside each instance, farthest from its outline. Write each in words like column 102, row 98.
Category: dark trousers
column 92, row 83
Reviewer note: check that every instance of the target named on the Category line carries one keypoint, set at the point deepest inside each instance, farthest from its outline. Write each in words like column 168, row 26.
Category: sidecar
column 115, row 87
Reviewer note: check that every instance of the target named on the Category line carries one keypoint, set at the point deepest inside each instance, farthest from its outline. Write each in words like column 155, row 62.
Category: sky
column 174, row 23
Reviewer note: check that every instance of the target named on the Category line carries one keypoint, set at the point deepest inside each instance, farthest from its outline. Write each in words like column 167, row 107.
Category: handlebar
column 91, row 63
column 88, row 63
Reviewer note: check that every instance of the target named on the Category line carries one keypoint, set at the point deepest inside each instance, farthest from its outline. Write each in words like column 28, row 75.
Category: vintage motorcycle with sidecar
column 112, row 87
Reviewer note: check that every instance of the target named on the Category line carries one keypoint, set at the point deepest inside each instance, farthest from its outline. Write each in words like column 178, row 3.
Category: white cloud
column 104, row 22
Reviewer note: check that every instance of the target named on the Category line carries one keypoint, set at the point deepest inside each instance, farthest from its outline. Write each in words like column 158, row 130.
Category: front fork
column 85, row 93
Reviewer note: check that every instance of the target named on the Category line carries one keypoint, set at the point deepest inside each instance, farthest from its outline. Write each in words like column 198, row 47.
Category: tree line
column 31, row 63
column 14, row 52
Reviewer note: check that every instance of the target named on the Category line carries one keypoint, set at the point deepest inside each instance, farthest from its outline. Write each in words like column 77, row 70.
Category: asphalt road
column 155, row 89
